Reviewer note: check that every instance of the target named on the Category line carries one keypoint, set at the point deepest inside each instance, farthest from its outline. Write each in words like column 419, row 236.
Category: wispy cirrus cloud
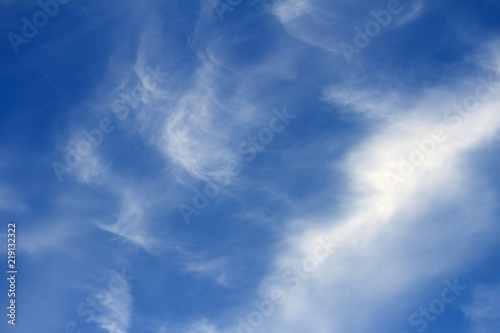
column 131, row 225
column 213, row 269
column 416, row 11
column 115, row 317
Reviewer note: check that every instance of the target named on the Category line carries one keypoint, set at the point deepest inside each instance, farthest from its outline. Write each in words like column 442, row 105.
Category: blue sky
column 251, row 166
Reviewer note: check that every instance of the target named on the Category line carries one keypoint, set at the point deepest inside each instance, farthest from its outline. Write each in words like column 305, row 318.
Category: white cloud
column 416, row 11
column 90, row 169
column 291, row 10
column 312, row 22
column 117, row 309
column 132, row 225
column 375, row 104
column 202, row 131
column 214, row 269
